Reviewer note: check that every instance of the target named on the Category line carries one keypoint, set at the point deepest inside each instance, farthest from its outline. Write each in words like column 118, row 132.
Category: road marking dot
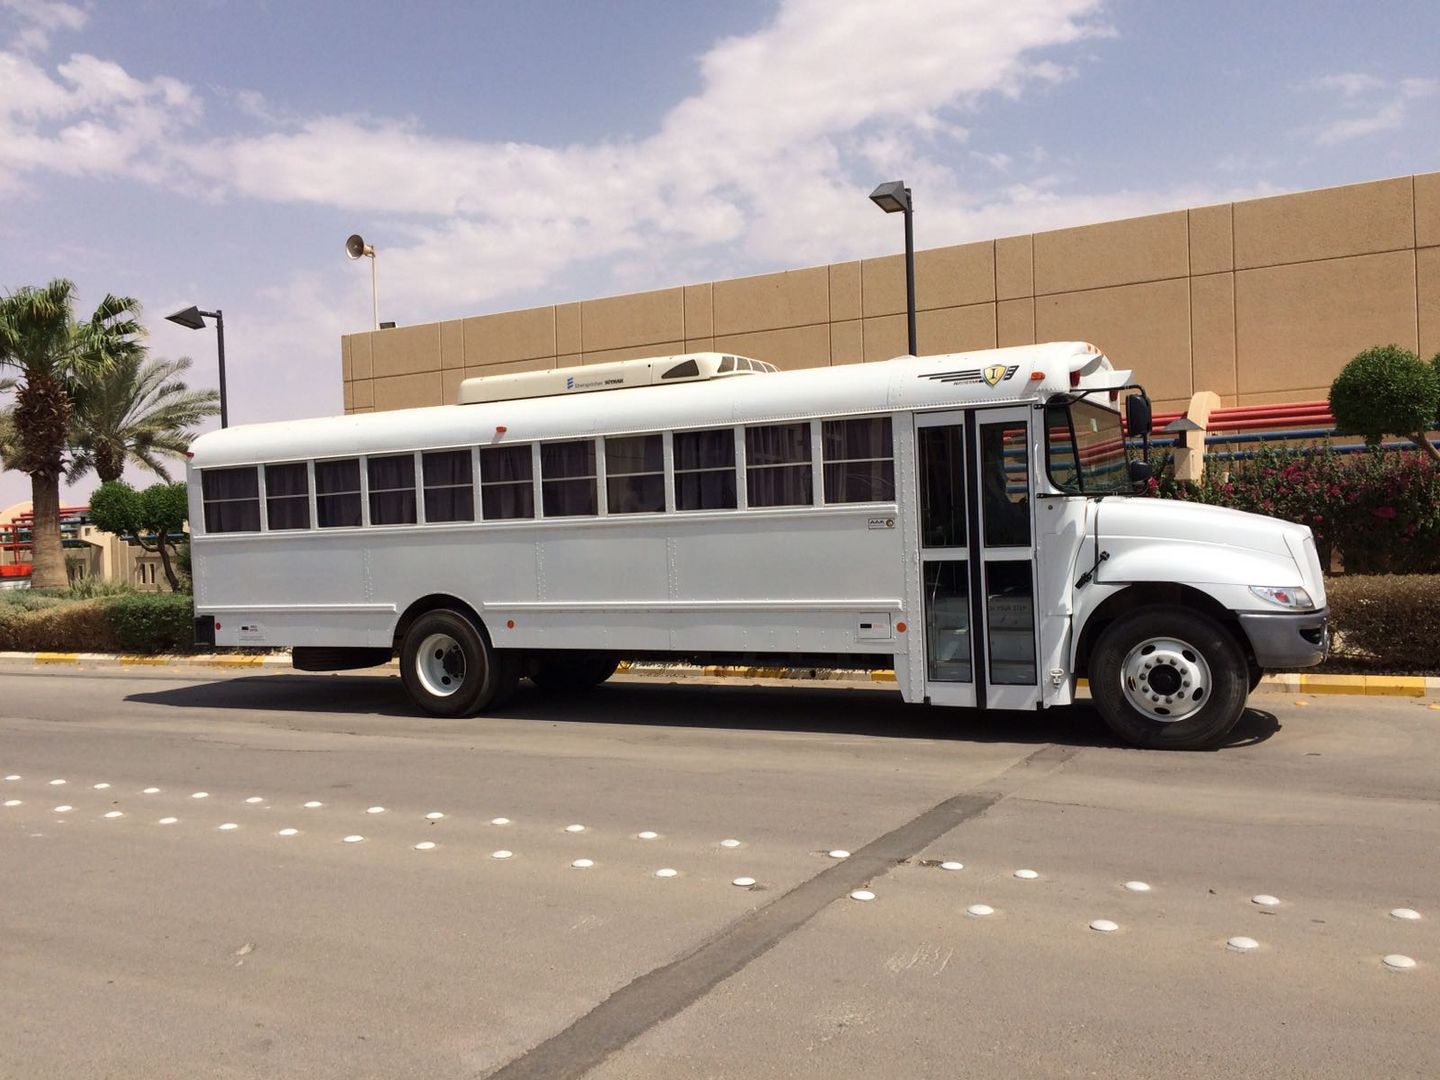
column 1242, row 944
column 201, row 795
column 574, row 828
column 1137, row 886
column 425, row 845
column 1105, row 926
column 501, row 854
column 151, row 791
column 1265, row 900
column 1026, row 875
column 167, row 821
column 375, row 810
column 979, row 911
column 13, row 776
column 666, row 871
column 229, row 826
column 114, row 813
column 646, row 835
column 12, row 802
column 743, row 882
column 313, row 804
column 354, row 839
column 951, row 864
column 100, row 787
column 500, row 821
column 56, row 783
column 839, row 853
column 64, row 808
column 253, row 799
column 730, row 842
column 1399, row 962
column 1405, row 913
column 862, row 894
column 288, row 832
column 435, row 815
column 583, row 864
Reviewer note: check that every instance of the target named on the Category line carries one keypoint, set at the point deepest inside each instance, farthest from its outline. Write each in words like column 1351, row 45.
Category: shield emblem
column 994, row 373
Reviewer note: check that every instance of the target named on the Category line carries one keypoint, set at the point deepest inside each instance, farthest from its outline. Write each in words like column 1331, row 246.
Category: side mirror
column 1138, row 417
column 1140, row 472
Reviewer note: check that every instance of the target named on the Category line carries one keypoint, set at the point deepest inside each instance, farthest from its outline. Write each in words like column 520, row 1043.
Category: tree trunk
column 108, row 465
column 161, row 545
column 47, row 551
column 1422, row 440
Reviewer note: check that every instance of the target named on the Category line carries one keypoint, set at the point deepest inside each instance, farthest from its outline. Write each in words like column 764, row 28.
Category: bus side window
column 705, row 470
column 568, row 479
column 506, row 487
column 232, row 499
column 449, row 493
column 635, row 474
column 287, row 496
column 1005, row 485
column 392, row 489
column 859, row 460
column 777, row 465
column 337, row 493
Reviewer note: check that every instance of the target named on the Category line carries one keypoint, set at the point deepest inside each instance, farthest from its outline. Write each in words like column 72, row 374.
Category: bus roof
column 984, row 377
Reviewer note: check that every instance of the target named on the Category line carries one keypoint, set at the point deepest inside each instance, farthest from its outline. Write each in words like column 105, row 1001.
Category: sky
column 502, row 155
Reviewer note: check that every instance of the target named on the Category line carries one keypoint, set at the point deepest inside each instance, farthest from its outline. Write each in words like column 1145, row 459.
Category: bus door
column 977, row 555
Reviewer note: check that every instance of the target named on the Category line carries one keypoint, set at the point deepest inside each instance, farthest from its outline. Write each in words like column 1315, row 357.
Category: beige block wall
column 1262, row 300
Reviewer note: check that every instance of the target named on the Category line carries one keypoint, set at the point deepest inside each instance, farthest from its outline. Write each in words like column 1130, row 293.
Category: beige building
column 1259, row 301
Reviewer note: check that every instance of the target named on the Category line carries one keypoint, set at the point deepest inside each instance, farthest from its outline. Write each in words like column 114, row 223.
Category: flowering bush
column 1378, row 510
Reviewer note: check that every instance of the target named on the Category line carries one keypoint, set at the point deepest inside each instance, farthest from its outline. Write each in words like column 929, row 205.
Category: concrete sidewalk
column 1415, row 686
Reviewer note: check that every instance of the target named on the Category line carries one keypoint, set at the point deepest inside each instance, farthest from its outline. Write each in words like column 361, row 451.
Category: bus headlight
column 1297, row 599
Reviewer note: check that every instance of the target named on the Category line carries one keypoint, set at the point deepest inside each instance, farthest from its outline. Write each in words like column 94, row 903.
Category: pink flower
column 1386, row 512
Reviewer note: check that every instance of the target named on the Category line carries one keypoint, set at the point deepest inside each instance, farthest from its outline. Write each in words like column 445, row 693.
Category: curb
column 1415, row 686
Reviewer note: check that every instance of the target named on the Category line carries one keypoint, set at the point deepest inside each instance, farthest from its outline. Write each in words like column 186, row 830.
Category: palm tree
column 140, row 411
column 48, row 348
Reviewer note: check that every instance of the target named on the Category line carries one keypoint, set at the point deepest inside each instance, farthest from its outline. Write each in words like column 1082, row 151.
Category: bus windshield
column 1086, row 448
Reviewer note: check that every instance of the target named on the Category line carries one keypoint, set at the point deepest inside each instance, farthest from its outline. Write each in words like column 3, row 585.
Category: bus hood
column 1166, row 540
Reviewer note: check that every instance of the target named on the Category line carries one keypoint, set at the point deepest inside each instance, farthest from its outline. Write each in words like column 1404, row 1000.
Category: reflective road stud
column 1104, row 926
column 1242, row 944
column 1397, row 962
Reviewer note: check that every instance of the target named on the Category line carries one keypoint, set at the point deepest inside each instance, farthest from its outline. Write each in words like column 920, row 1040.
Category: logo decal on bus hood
column 992, row 375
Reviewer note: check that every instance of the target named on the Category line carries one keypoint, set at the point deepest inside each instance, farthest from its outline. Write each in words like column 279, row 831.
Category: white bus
column 966, row 519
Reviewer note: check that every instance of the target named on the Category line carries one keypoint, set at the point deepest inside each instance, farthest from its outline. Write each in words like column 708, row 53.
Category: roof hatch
column 618, row 375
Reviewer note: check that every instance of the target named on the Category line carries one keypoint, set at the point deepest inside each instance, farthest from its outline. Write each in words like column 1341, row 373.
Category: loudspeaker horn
column 356, row 247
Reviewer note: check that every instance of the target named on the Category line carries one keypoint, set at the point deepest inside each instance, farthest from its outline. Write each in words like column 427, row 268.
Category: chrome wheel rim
column 1166, row 679
column 440, row 665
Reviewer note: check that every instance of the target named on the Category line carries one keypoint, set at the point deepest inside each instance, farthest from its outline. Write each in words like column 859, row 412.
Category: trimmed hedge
column 1385, row 623
column 134, row 623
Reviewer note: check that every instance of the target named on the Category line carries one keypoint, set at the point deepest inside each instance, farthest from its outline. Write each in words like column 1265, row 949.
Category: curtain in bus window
column 705, row 470
column 1005, row 484
column 635, row 474
column 392, row 489
column 232, row 500
column 337, row 493
column 859, row 460
column 287, row 496
column 567, row 479
column 773, row 473
column 449, row 492
column 506, row 487
column 942, row 487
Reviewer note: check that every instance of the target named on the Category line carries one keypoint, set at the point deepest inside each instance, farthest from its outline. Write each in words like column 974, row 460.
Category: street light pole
column 894, row 197
column 192, row 318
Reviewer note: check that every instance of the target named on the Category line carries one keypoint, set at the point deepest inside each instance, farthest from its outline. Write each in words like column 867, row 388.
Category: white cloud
column 1372, row 105
column 38, row 19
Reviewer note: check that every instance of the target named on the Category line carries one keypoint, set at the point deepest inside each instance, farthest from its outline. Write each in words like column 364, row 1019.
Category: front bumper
column 1288, row 640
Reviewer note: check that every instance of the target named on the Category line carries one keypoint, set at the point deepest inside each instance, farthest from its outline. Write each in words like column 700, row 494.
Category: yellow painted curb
column 57, row 658
column 1395, row 685
column 147, row 661
column 234, row 661
column 882, row 676
column 1333, row 684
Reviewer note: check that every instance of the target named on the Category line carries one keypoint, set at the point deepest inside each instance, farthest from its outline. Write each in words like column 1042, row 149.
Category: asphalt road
column 156, row 933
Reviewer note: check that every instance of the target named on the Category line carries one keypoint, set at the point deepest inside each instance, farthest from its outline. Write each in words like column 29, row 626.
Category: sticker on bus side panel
column 252, row 632
column 880, row 523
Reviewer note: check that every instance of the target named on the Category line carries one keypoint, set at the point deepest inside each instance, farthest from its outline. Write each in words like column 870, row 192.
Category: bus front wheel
column 1169, row 678
column 450, row 668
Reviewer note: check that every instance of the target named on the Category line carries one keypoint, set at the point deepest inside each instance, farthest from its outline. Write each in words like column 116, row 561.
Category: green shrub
column 1385, row 623
column 1386, row 390
column 81, row 626
column 152, row 622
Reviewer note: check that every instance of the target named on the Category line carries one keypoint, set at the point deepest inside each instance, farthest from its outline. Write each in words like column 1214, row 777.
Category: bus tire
column 1169, row 678
column 572, row 672
column 450, row 668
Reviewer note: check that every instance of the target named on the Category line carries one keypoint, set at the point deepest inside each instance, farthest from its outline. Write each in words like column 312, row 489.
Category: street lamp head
column 893, row 197
column 191, row 317
column 356, row 247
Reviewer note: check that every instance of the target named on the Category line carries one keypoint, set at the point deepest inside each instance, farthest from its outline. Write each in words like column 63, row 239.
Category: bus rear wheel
column 572, row 672
column 450, row 668
column 1169, row 678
